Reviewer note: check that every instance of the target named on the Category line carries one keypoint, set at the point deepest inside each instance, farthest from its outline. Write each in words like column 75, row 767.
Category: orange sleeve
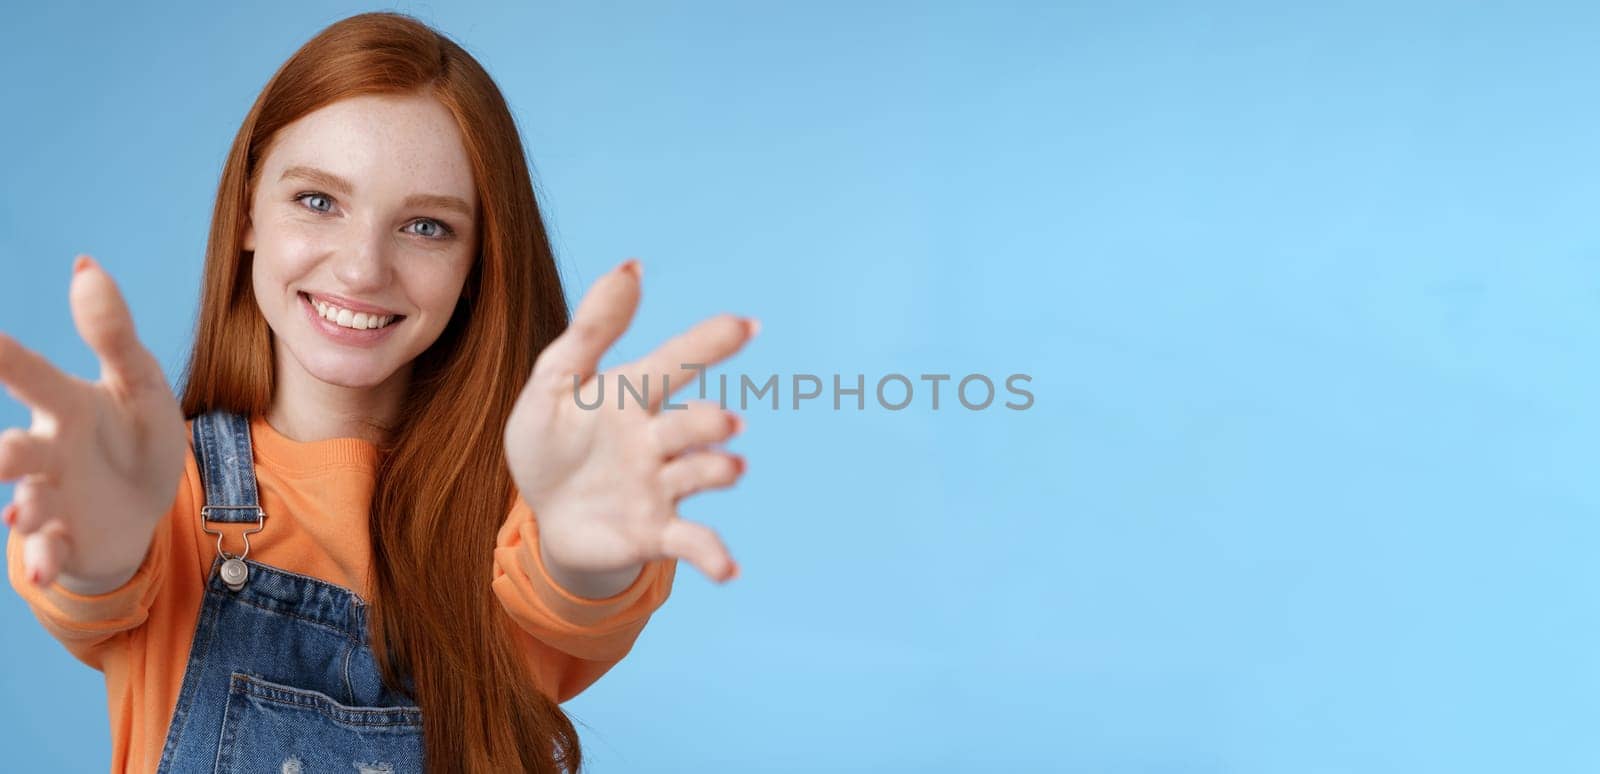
column 574, row 640
column 88, row 623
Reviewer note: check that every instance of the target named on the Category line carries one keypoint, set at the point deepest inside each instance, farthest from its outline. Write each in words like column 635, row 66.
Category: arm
column 572, row 640
column 96, row 474
column 87, row 624
column 593, row 538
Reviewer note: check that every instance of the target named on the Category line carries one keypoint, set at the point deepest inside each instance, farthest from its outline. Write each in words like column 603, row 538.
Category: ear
column 249, row 235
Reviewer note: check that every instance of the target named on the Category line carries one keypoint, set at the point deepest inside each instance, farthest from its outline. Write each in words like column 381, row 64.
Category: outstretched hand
column 101, row 462
column 604, row 483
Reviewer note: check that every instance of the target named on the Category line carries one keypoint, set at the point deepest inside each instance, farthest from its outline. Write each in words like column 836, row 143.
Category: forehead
column 389, row 146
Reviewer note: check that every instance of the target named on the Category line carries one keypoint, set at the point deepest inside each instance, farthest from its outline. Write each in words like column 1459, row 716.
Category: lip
column 347, row 303
column 341, row 334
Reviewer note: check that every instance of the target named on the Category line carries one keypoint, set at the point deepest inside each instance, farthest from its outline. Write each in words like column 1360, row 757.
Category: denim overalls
column 280, row 677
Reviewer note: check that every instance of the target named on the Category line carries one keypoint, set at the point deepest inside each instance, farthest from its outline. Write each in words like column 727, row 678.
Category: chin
column 341, row 379
column 347, row 371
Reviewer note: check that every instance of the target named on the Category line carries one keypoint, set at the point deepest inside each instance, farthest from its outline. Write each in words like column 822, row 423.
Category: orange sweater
column 316, row 496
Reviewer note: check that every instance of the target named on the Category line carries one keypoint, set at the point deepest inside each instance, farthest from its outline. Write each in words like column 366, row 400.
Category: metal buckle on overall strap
column 234, row 571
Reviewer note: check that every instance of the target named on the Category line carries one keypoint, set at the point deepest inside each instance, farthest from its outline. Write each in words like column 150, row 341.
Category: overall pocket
column 270, row 727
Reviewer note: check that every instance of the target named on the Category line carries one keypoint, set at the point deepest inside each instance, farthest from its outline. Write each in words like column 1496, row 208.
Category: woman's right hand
column 101, row 463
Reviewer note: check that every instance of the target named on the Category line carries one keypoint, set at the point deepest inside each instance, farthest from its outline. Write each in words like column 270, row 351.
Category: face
column 364, row 228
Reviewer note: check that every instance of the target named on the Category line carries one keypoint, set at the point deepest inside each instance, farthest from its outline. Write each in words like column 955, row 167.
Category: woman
column 396, row 539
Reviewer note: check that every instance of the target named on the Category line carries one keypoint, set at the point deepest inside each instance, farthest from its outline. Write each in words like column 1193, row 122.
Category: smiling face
column 364, row 229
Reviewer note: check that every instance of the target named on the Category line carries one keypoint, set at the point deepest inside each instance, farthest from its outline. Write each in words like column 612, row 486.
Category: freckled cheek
column 432, row 298
column 433, row 287
column 288, row 252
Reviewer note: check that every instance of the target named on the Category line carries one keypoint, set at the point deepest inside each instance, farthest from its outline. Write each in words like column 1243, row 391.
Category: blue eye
column 315, row 195
column 440, row 230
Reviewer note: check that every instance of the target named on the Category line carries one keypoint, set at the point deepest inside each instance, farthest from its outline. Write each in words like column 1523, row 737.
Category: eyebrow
column 338, row 184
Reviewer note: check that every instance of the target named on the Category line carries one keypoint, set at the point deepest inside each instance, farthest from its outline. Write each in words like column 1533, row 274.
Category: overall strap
column 227, row 467
column 228, row 472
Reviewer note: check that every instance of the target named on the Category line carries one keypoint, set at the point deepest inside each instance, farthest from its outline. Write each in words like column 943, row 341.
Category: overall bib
column 280, row 678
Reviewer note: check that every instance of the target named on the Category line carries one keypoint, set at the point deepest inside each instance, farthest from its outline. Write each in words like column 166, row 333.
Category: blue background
column 1308, row 295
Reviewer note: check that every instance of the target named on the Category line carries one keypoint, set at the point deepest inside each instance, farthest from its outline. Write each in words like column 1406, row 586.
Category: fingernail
column 734, row 573
column 11, row 515
column 752, row 325
column 632, row 266
column 81, row 264
column 736, row 422
column 738, row 459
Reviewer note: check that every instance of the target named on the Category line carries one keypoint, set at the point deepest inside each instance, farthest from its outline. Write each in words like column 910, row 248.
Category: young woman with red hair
column 376, row 529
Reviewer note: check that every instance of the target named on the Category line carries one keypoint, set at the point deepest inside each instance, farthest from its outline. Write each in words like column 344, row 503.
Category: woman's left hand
column 604, row 482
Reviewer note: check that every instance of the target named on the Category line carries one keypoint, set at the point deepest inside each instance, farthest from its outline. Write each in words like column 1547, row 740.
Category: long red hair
column 443, row 487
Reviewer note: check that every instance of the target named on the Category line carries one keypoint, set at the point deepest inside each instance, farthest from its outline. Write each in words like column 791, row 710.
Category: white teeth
column 349, row 319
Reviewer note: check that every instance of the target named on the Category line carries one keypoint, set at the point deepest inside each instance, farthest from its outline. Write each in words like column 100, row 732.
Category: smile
column 349, row 318
column 348, row 326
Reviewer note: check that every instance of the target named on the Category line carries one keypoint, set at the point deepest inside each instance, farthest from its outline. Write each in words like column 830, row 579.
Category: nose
column 364, row 264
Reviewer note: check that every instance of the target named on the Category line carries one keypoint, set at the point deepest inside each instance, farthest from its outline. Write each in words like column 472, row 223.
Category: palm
column 604, row 482
column 100, row 462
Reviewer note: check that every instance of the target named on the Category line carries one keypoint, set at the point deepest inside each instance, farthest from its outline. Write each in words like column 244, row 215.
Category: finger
column 104, row 322
column 33, row 380
column 44, row 553
column 701, row 470
column 602, row 316
column 23, row 453
column 710, row 341
column 700, row 546
column 37, row 504
column 703, row 422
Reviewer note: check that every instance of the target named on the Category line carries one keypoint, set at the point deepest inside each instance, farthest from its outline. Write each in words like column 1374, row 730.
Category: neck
column 305, row 408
